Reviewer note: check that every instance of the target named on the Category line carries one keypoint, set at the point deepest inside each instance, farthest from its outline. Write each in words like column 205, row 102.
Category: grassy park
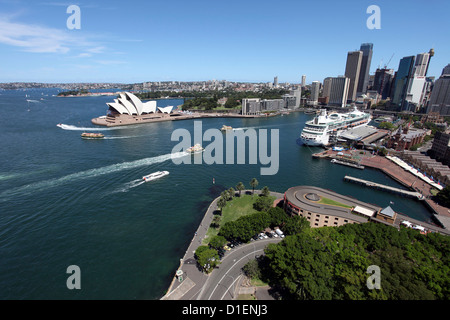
column 237, row 207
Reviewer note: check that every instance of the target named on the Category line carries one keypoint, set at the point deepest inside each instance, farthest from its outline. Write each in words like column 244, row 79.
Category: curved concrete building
column 323, row 207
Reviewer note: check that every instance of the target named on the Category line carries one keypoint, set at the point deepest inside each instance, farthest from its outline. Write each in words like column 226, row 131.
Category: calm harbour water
column 67, row 201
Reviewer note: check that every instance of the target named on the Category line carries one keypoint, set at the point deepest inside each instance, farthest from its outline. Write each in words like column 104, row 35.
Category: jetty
column 349, row 164
column 370, row 184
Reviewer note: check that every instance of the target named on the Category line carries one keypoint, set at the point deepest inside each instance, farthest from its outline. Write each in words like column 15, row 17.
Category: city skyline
column 197, row 41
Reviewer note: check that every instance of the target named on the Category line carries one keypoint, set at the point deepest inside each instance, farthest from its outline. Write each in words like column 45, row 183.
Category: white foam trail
column 130, row 185
column 120, row 137
column 71, row 127
column 42, row 185
column 34, row 101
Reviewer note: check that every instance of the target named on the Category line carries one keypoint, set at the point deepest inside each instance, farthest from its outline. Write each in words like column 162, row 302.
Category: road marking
column 231, row 269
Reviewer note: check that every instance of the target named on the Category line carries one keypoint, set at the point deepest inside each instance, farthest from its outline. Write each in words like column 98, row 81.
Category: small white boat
column 155, row 175
column 195, row 149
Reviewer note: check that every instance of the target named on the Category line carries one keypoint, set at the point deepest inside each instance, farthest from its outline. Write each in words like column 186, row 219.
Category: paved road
column 195, row 285
column 222, row 282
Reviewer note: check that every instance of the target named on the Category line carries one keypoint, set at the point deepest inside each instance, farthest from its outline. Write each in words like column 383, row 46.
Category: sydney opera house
column 128, row 109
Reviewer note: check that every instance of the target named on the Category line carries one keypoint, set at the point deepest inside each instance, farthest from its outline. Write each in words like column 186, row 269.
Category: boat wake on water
column 130, row 185
column 75, row 128
column 91, row 173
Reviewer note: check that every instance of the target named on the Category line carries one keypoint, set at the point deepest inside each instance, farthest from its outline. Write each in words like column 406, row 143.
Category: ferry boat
column 155, row 175
column 90, row 135
column 195, row 149
column 226, row 128
column 317, row 131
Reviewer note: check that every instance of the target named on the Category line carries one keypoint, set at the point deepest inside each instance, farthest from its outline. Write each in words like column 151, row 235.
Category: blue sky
column 247, row 40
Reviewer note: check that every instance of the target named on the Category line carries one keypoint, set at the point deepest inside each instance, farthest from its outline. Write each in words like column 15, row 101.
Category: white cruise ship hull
column 317, row 132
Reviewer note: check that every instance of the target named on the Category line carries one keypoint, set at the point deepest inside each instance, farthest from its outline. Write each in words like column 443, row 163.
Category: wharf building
column 325, row 208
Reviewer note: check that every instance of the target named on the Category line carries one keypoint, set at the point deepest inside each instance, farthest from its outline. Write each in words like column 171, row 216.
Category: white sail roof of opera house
column 128, row 103
column 167, row 109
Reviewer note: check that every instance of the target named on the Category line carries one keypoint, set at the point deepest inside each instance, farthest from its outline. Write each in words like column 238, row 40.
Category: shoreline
column 124, row 120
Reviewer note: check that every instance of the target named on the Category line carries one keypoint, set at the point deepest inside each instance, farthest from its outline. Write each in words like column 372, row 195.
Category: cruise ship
column 317, row 132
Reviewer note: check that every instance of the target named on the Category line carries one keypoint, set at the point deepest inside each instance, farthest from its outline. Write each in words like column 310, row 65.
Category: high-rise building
column 446, row 70
column 367, row 50
column 440, row 96
column 382, row 82
column 352, row 71
column 326, row 87
column 421, row 65
column 297, row 93
column 315, row 89
column 275, row 82
column 339, row 91
column 303, row 81
column 402, row 78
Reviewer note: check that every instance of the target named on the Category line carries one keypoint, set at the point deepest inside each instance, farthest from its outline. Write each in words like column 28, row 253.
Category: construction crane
column 385, row 66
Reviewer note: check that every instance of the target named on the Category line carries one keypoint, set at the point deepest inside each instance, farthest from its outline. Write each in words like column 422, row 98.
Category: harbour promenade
column 193, row 281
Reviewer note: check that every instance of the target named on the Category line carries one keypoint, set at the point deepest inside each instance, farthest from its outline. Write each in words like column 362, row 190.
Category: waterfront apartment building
column 352, row 71
column 251, row 106
column 363, row 81
column 257, row 106
column 339, row 87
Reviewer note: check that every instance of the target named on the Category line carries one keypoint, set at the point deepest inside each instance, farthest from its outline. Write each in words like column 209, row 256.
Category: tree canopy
column 332, row 262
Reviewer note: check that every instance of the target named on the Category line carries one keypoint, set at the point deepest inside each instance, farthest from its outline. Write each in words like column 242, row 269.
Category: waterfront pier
column 370, row 184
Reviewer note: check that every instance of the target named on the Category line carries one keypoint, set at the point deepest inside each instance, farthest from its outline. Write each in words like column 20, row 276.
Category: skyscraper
column 402, row 78
column 440, row 96
column 315, row 88
column 421, row 65
column 303, row 80
column 446, row 70
column 382, row 82
column 352, row 71
column 367, row 49
column 326, row 87
column 275, row 82
column 339, row 91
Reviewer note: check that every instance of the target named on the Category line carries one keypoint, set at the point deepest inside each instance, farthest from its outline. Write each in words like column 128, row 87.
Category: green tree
column 254, row 183
column 231, row 191
column 443, row 197
column 263, row 204
column 221, row 203
column 240, row 187
column 265, row 192
column 217, row 242
column 207, row 258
